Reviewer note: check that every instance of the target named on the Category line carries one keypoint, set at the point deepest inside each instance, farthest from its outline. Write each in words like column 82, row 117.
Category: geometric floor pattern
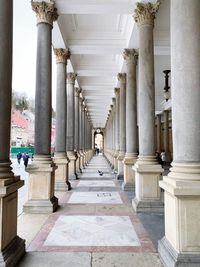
column 95, row 223
column 92, row 231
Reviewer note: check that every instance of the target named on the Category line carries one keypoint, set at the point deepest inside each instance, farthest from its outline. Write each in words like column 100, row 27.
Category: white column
column 130, row 56
column 147, row 169
column 116, row 129
column 77, row 129
column 42, row 170
column 158, row 132
column 60, row 157
column 12, row 247
column 122, row 125
column 181, row 244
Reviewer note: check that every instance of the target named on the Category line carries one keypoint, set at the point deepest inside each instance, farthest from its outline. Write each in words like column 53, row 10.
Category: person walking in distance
column 19, row 156
column 25, row 159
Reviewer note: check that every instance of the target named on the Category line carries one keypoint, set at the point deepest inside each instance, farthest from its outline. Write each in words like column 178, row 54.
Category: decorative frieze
column 145, row 13
column 45, row 12
column 62, row 55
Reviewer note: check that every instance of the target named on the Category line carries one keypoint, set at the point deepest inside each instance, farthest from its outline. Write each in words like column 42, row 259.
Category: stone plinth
column 129, row 173
column 71, row 165
column 120, row 158
column 182, row 201
column 41, row 197
column 61, row 173
column 147, row 191
column 12, row 247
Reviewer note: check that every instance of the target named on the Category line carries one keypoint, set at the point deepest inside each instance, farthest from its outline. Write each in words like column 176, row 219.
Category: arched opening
column 99, row 142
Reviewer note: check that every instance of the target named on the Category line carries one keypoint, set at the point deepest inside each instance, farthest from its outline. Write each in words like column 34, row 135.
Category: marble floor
column 89, row 224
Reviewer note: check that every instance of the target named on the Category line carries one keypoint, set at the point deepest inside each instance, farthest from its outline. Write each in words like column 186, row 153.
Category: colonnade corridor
column 95, row 225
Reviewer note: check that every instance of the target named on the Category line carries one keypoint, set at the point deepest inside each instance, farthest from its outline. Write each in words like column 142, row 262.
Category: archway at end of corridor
column 98, row 142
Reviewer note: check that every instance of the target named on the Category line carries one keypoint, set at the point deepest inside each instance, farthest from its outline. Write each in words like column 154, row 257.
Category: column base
column 182, row 213
column 10, row 256
column 72, row 165
column 171, row 258
column 120, row 174
column 129, row 173
column 61, row 173
column 147, row 191
column 41, row 206
column 147, row 206
column 128, row 186
column 41, row 197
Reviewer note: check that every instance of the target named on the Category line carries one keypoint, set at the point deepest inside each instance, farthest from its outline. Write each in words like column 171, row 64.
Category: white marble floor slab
column 92, row 231
column 96, row 183
column 95, row 198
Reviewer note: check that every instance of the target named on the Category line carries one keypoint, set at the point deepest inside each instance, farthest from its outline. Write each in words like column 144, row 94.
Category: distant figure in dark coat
column 25, row 159
column 19, row 156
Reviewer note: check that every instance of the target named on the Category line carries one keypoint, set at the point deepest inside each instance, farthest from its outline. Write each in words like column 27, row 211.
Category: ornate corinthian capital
column 121, row 77
column 116, row 91
column 130, row 55
column 77, row 91
column 145, row 13
column 62, row 55
column 71, row 77
column 45, row 12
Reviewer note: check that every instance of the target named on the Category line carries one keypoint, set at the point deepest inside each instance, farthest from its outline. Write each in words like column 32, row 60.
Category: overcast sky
column 24, row 49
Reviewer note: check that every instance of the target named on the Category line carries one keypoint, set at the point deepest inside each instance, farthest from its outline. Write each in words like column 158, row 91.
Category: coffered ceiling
column 96, row 32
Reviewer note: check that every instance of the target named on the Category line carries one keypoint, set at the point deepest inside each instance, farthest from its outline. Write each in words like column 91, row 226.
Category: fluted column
column 60, row 157
column 130, row 56
column 122, row 125
column 158, row 132
column 181, row 244
column 116, row 129
column 42, row 170
column 12, row 248
column 77, row 129
column 147, row 169
column 71, row 125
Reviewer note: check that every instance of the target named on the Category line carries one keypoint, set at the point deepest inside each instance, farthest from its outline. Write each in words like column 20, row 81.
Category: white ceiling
column 96, row 32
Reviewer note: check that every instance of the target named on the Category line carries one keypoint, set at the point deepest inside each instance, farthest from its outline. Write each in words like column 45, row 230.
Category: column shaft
column 71, row 125
column 42, row 170
column 12, row 248
column 130, row 55
column 147, row 170
column 60, row 157
column 181, row 246
column 122, row 124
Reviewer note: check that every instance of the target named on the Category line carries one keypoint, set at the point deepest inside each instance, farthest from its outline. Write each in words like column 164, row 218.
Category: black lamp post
column 167, row 87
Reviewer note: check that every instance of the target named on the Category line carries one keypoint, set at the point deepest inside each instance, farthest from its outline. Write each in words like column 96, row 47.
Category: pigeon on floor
column 100, row 173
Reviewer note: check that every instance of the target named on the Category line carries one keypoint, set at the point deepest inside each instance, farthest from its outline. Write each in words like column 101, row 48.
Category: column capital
column 45, row 12
column 113, row 100
column 71, row 77
column 62, row 55
column 121, row 77
column 130, row 55
column 145, row 13
column 77, row 91
column 116, row 90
